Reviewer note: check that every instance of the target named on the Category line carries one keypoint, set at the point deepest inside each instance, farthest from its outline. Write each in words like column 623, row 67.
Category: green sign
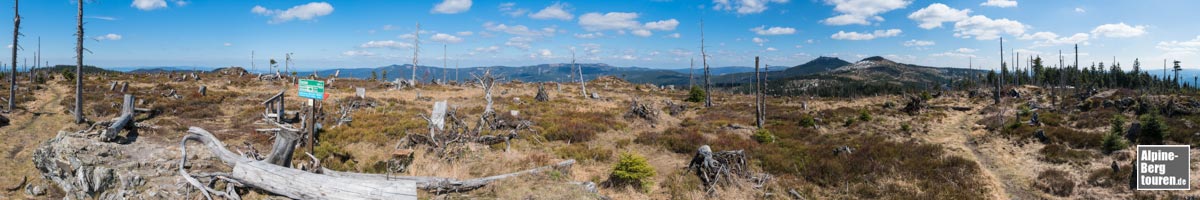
column 312, row 89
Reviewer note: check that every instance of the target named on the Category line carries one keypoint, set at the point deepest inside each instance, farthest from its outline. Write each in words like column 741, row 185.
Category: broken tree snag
column 642, row 110
column 281, row 151
column 541, row 93
column 721, row 168
column 203, row 90
column 121, row 122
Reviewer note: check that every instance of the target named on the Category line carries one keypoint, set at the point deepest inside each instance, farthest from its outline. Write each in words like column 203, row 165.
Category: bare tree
column 582, row 83
column 692, row 73
column 416, row 50
column 704, row 59
column 12, row 87
column 758, row 111
column 79, row 65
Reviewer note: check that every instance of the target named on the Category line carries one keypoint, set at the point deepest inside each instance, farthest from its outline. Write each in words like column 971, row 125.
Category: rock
column 1014, row 93
column 1116, row 168
column 843, row 149
column 1041, row 136
column 595, row 95
column 1034, row 120
column 1133, row 132
column 3, row 121
column 35, row 190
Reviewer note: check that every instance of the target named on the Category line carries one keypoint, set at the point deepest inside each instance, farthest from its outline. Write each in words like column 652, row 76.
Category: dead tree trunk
column 541, row 93
column 121, row 122
column 203, row 90
column 78, row 66
column 704, row 59
column 12, row 87
column 330, row 184
column 757, row 97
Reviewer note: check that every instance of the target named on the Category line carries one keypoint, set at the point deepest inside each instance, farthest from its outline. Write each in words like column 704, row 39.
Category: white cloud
column 1051, row 39
column 389, row 27
column 487, row 49
column 966, row 50
column 358, row 53
column 510, row 9
column 935, row 14
column 1180, row 47
column 451, row 7
column 642, row 33
column 589, row 35
column 519, row 42
column 744, row 6
column 609, row 21
column 521, row 30
column 465, row 33
column 759, row 41
column 545, row 53
column 446, row 38
column 1028, row 52
column 842, row 35
column 1000, row 3
column 763, row 30
column 557, row 11
column 983, row 28
column 960, row 52
column 105, row 18
column 109, row 36
column 1119, row 30
column 304, row 12
column 662, row 25
column 772, row 49
column 386, row 44
column 861, row 11
column 918, row 43
column 149, row 4
column 228, row 44
column 1080, row 10
column 181, row 3
column 674, row 35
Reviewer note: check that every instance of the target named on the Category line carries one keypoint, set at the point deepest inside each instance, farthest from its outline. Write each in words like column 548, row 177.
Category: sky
column 643, row 33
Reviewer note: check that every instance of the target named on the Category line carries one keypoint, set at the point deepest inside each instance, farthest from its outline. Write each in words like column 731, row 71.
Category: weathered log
column 121, row 122
column 298, row 184
column 281, row 151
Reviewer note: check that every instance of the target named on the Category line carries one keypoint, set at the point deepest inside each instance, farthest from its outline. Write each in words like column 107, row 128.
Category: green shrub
column 849, row 122
column 68, row 75
column 1153, row 130
column 925, row 96
column 695, row 95
column 905, row 127
column 807, row 121
column 1113, row 142
column 632, row 169
column 764, row 136
column 864, row 116
column 1118, row 124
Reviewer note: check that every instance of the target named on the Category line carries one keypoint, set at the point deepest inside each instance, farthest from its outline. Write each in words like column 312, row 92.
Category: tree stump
column 541, row 94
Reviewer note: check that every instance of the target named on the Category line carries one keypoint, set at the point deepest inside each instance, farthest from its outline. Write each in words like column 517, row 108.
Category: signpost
column 312, row 89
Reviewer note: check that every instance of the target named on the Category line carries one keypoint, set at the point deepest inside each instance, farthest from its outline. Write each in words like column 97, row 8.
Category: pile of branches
column 642, row 110
column 451, row 141
column 915, row 105
column 348, row 106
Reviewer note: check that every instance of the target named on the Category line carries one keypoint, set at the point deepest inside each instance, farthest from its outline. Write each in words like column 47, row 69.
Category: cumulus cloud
column 487, row 49
column 763, row 30
column 451, row 7
column 149, row 4
column 624, row 21
column 1052, row 39
column 589, row 35
column 1180, row 47
column 674, row 35
column 983, row 28
column 519, row 42
column 918, row 43
column 228, row 44
column 446, row 38
column 386, row 44
column 842, row 35
column 105, row 18
column 521, row 30
column 642, row 33
column 759, row 41
column 960, row 52
column 1119, row 30
column 1000, row 3
column 662, row 25
column 861, row 11
column 744, row 6
column 935, row 14
column 109, row 36
column 1080, row 10
column 772, row 49
column 511, row 10
column 609, row 21
column 358, row 53
column 556, row 11
column 465, row 33
column 304, row 12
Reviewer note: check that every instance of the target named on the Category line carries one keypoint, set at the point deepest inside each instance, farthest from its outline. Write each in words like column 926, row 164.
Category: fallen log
column 121, row 122
column 330, row 184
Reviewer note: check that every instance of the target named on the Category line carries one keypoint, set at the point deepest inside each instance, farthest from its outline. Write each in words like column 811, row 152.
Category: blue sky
column 646, row 33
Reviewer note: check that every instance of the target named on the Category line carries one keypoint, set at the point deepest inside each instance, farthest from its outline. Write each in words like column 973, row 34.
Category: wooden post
column 312, row 126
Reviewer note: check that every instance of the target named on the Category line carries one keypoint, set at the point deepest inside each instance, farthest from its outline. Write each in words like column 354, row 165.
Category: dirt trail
column 40, row 122
column 956, row 133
